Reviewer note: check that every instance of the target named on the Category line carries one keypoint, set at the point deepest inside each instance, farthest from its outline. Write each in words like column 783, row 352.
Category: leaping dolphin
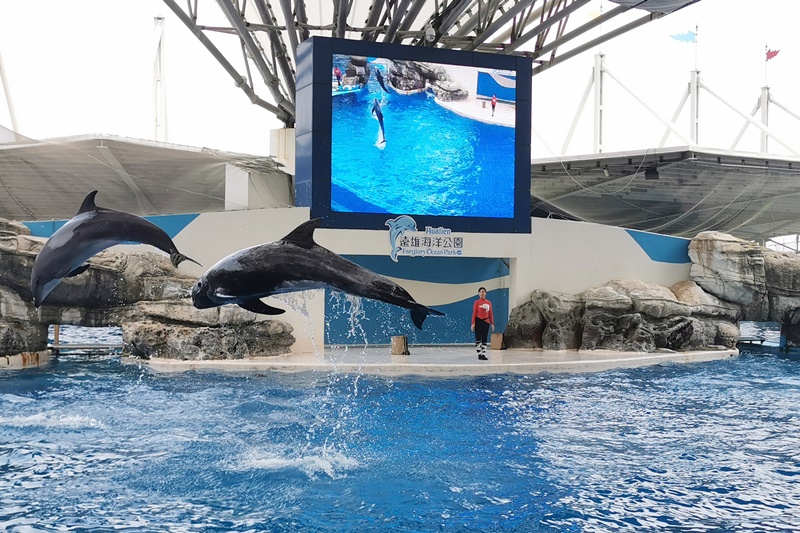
column 295, row 263
column 89, row 232
column 376, row 110
column 380, row 79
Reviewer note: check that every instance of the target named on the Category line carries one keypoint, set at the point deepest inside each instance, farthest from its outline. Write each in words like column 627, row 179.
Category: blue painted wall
column 171, row 224
column 662, row 248
column 372, row 322
column 488, row 86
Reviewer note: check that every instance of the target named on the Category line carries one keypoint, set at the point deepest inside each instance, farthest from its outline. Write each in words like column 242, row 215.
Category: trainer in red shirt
column 482, row 320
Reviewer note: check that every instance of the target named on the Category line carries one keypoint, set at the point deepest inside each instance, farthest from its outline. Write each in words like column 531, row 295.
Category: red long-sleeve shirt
column 482, row 308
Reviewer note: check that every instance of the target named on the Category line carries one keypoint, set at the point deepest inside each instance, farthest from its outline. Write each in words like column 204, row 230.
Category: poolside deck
column 444, row 361
column 481, row 109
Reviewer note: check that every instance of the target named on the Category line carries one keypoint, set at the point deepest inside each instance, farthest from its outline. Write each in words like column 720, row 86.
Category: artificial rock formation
column 139, row 291
column 765, row 283
column 731, row 280
column 413, row 77
column 625, row 315
column 356, row 72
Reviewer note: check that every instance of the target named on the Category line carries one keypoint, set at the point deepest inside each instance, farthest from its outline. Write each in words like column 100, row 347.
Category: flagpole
column 696, row 29
column 766, row 59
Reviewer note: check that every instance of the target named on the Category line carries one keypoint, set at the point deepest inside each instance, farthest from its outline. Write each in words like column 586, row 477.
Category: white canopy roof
column 48, row 179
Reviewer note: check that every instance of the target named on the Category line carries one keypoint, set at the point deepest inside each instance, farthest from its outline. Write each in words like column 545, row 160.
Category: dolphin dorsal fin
column 88, row 203
column 303, row 235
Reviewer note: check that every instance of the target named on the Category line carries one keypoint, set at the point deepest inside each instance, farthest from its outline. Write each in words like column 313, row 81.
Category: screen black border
column 313, row 132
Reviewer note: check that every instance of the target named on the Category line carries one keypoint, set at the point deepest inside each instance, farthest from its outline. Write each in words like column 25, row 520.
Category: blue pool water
column 89, row 444
column 435, row 162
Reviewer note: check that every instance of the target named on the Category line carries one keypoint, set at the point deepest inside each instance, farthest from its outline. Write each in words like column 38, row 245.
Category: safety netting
column 677, row 192
column 48, row 179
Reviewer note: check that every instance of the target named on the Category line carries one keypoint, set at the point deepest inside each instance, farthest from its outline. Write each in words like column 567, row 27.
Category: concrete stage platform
column 443, row 361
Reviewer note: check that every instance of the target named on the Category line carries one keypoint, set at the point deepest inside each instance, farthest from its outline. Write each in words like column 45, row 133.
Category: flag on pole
column 687, row 37
column 771, row 54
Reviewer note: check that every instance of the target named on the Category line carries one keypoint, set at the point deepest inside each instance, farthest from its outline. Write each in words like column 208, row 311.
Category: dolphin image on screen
column 376, row 110
column 380, row 79
column 295, row 263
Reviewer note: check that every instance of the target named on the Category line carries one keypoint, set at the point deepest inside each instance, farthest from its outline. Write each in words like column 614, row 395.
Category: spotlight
column 651, row 173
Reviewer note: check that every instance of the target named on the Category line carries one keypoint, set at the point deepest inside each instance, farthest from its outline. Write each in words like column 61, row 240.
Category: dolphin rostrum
column 376, row 110
column 295, row 263
column 89, row 232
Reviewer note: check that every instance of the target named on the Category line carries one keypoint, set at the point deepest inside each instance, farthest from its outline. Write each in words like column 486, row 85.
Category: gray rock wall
column 731, row 280
column 625, row 315
column 414, row 76
column 763, row 282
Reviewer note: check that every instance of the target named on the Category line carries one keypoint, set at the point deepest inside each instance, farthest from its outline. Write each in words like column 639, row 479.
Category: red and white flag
column 771, row 54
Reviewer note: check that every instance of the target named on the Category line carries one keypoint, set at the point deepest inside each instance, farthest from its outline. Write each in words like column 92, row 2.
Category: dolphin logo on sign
column 397, row 228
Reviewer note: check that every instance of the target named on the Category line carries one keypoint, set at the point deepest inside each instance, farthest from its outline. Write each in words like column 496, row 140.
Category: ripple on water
column 693, row 447
column 95, row 445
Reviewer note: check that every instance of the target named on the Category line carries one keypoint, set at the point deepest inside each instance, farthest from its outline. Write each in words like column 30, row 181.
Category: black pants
column 481, row 331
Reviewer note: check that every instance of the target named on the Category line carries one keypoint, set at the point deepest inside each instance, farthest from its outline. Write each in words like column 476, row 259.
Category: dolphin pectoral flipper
column 260, row 308
column 80, row 270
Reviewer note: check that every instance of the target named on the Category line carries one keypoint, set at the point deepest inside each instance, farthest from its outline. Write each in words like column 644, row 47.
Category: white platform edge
column 459, row 361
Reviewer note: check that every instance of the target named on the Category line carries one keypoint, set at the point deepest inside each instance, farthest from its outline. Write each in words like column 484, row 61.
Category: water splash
column 311, row 462
column 301, row 303
column 52, row 419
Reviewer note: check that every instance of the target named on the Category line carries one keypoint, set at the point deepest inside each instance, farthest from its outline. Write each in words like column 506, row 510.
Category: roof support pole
column 578, row 114
column 781, row 106
column 302, row 19
column 652, row 111
column 272, row 82
column 453, row 13
column 411, row 16
column 597, row 80
column 278, row 46
column 751, row 120
column 7, row 94
column 145, row 206
column 594, row 42
column 291, row 29
column 694, row 106
column 159, row 85
column 499, row 23
column 241, row 82
column 764, row 118
column 744, row 126
column 675, row 116
column 341, row 9
column 375, row 11
column 539, row 28
column 399, row 16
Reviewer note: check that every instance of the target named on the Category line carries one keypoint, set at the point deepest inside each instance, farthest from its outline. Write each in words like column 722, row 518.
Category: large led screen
column 441, row 135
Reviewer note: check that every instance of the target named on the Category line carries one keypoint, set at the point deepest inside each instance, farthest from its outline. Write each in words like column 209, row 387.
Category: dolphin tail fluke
column 419, row 314
column 177, row 258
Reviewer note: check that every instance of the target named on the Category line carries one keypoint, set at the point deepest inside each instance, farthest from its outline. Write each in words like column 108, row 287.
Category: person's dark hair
column 481, row 288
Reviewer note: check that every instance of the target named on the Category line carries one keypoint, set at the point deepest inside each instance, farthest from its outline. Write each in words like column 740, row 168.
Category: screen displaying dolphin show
column 440, row 135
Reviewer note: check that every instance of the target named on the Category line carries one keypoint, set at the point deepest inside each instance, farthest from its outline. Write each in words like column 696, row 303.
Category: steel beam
column 278, row 46
column 272, row 82
column 241, row 82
